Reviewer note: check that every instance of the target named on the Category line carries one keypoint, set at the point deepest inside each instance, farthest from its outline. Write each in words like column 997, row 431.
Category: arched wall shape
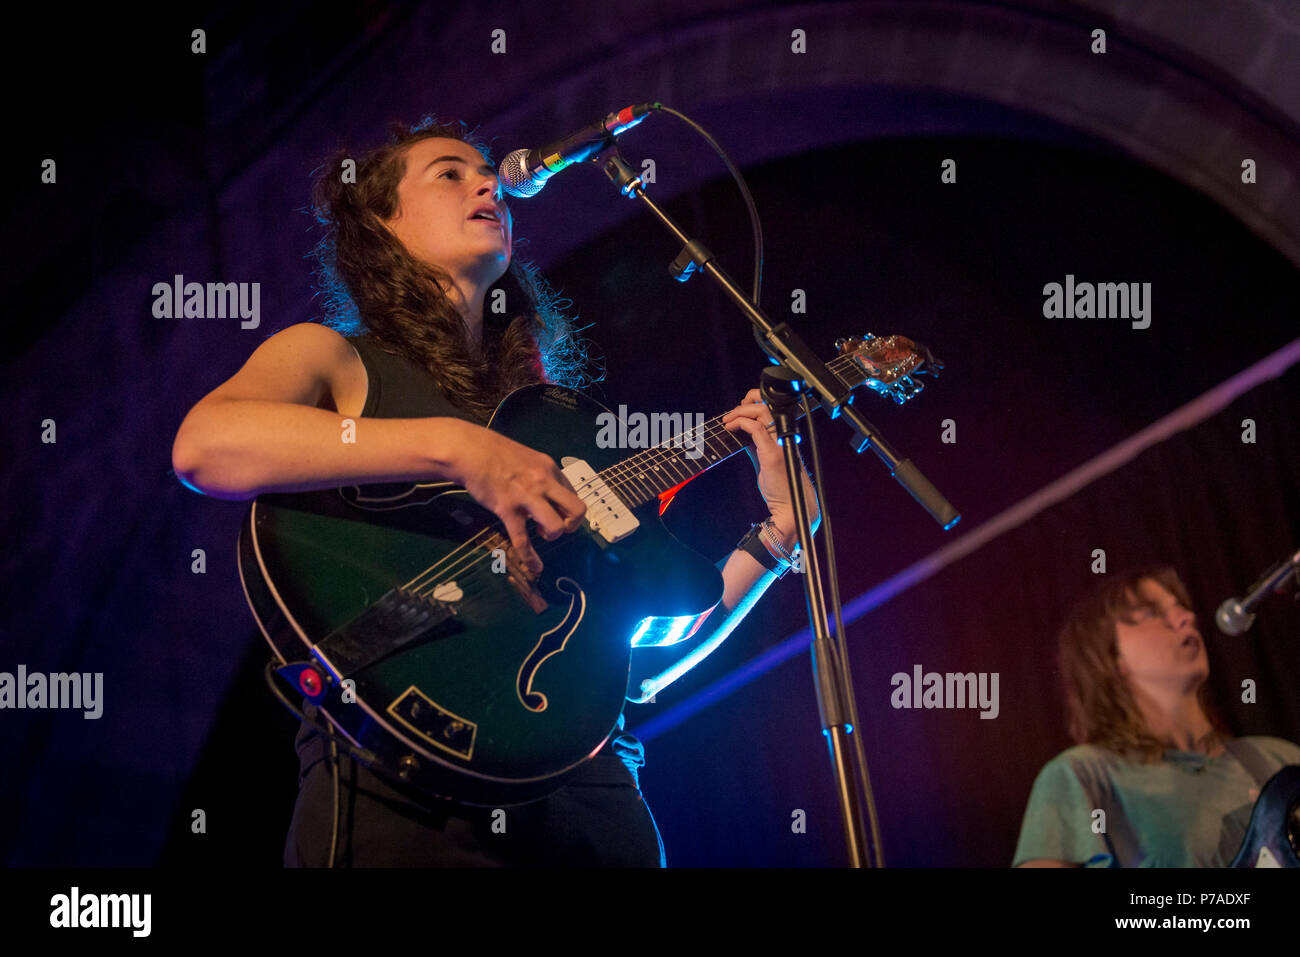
column 1192, row 98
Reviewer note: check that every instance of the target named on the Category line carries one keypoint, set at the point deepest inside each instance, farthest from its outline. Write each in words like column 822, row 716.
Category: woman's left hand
column 753, row 417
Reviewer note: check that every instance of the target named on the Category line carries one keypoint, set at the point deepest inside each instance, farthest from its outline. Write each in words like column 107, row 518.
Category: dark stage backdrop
column 111, row 566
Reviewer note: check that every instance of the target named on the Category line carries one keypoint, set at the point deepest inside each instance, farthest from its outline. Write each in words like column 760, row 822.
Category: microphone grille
column 1232, row 619
column 515, row 178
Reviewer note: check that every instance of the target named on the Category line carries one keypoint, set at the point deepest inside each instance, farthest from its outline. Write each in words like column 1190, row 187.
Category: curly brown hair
column 373, row 286
column 1100, row 706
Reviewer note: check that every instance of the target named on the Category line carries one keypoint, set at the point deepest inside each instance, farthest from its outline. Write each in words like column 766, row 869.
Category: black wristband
column 753, row 544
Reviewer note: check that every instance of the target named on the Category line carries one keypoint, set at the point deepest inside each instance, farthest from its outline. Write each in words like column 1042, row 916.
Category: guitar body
column 1273, row 837
column 467, row 681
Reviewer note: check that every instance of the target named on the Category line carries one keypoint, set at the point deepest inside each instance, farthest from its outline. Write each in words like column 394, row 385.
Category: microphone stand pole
column 800, row 371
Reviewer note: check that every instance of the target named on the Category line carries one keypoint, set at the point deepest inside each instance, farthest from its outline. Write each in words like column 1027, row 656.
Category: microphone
column 524, row 172
column 1236, row 615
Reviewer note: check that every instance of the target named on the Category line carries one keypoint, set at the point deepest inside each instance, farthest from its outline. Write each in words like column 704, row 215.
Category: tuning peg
column 933, row 364
column 906, row 388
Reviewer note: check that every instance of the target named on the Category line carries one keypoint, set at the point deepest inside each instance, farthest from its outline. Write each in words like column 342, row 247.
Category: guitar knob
column 407, row 766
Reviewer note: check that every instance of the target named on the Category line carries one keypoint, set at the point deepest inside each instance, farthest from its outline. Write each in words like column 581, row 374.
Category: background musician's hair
column 1100, row 706
column 373, row 285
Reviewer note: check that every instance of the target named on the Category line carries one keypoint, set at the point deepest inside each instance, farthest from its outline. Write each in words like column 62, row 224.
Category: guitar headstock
column 888, row 363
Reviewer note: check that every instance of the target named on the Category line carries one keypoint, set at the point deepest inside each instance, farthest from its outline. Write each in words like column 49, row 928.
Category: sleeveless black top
column 399, row 388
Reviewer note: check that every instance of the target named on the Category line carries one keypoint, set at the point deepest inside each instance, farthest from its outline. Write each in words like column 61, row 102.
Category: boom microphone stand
column 798, row 373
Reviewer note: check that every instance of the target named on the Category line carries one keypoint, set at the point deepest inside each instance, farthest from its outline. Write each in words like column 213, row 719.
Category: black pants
column 598, row 819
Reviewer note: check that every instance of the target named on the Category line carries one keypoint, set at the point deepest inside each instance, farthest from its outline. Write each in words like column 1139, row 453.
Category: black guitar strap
column 1250, row 758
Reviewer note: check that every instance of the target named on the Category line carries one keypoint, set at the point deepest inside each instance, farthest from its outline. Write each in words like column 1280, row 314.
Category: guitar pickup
column 607, row 515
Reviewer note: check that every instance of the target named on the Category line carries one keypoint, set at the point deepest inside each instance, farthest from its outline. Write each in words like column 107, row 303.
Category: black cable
column 327, row 729
column 754, row 223
column 334, row 764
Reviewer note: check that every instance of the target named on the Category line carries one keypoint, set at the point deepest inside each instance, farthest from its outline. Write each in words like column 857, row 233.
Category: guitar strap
column 1250, row 758
column 1119, row 832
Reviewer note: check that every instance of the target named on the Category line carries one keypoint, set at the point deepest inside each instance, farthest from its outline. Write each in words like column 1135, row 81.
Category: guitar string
column 471, row 544
column 468, row 546
column 605, row 476
column 471, row 547
column 473, row 551
column 632, row 470
column 618, row 475
column 659, row 453
column 712, row 429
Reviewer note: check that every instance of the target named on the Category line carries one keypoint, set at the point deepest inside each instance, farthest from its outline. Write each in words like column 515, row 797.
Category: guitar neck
column 643, row 477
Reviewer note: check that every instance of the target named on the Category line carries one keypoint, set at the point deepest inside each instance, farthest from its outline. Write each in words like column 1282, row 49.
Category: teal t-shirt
column 1186, row 810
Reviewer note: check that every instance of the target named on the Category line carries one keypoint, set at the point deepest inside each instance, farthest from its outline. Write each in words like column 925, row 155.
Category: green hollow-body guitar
column 402, row 613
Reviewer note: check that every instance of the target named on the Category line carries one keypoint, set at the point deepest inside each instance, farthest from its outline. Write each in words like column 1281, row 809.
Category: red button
column 309, row 682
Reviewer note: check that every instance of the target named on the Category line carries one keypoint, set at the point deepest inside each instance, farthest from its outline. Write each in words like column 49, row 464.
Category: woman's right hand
column 516, row 483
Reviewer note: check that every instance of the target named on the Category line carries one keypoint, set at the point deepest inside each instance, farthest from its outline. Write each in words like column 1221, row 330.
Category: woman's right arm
column 264, row 430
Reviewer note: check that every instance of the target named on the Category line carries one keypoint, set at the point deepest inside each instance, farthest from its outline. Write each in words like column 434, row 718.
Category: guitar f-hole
column 551, row 642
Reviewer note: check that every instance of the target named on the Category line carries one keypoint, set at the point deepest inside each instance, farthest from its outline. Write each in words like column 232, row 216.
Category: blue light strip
column 679, row 713
column 777, row 655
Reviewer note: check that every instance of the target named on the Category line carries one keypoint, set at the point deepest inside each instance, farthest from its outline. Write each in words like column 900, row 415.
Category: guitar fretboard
column 642, row 477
